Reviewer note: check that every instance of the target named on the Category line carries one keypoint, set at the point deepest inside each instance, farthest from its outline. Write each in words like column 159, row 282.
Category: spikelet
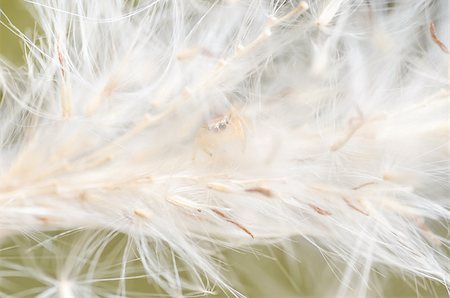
column 191, row 126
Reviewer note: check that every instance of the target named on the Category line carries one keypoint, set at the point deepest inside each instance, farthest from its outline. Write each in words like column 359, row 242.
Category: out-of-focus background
column 16, row 12
column 297, row 270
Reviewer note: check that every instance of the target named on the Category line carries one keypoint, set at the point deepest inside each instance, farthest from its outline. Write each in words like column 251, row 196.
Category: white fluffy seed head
column 195, row 125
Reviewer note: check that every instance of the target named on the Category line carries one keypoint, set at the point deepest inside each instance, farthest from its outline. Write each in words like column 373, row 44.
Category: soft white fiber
column 193, row 126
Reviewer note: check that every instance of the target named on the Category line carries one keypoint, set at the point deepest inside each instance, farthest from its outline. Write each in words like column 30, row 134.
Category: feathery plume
column 191, row 126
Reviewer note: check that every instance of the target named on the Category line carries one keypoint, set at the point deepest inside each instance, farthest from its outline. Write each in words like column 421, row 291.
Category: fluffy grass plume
column 190, row 126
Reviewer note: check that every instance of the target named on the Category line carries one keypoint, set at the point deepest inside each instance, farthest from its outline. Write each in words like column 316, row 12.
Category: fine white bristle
column 191, row 126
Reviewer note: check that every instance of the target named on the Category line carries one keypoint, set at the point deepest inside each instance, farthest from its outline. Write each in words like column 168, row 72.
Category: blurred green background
column 10, row 45
column 257, row 272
